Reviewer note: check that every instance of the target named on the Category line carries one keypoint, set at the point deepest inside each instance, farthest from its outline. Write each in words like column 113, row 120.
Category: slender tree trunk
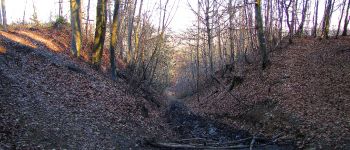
column 24, row 12
column 261, row 36
column 1, row 22
column 138, row 33
column 341, row 18
column 197, row 49
column 4, row 18
column 75, row 6
column 60, row 11
column 301, row 25
column 326, row 21
column 346, row 21
column 280, row 14
column 314, row 31
column 232, row 57
column 130, row 30
column 87, row 20
column 209, row 36
column 114, row 40
column 100, row 32
column 290, row 24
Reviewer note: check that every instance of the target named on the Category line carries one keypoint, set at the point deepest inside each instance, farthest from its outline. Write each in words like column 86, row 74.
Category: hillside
column 303, row 95
column 49, row 100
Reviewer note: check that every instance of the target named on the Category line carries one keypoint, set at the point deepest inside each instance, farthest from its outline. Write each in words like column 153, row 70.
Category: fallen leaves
column 310, row 82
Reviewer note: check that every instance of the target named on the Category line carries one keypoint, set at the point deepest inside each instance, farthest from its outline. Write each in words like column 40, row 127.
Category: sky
column 46, row 8
column 183, row 17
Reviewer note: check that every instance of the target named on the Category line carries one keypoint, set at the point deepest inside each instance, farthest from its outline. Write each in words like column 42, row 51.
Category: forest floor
column 304, row 95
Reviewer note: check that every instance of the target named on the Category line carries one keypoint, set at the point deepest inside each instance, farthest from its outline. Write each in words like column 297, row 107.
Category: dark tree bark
column 100, row 32
column 341, row 18
column 301, row 26
column 114, row 35
column 261, row 36
column 326, row 20
column 346, row 21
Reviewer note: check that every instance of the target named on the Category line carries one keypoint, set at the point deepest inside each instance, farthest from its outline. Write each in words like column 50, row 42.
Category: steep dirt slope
column 304, row 94
column 48, row 100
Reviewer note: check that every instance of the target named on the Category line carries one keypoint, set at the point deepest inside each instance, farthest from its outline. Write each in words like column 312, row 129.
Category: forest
column 174, row 74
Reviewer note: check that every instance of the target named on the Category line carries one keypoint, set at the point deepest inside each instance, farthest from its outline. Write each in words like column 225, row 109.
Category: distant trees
column 75, row 7
column 227, row 32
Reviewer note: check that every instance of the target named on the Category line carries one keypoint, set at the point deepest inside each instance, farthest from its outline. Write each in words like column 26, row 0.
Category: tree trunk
column 24, row 13
column 114, row 40
column 301, row 26
column 280, row 16
column 314, row 31
column 209, row 36
column 4, row 19
column 87, row 20
column 326, row 20
column 138, row 33
column 60, row 11
column 197, row 49
column 261, row 36
column 346, row 21
column 100, row 32
column 130, row 29
column 232, row 57
column 341, row 18
column 1, row 23
column 75, row 7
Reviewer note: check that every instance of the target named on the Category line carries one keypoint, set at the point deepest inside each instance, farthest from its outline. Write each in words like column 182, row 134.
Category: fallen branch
column 252, row 143
column 238, row 100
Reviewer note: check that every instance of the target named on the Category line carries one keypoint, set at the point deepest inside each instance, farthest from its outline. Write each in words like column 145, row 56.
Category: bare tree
column 314, row 30
column 326, row 19
column 341, row 18
column 131, row 15
column 346, row 21
column 231, row 28
column 303, row 16
column 261, row 36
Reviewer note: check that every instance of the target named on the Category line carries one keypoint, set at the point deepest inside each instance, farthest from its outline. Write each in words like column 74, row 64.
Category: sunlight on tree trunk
column 75, row 7
column 114, row 36
column 100, row 32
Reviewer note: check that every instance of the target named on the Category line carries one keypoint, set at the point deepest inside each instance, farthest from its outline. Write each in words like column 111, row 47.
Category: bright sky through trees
column 183, row 18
